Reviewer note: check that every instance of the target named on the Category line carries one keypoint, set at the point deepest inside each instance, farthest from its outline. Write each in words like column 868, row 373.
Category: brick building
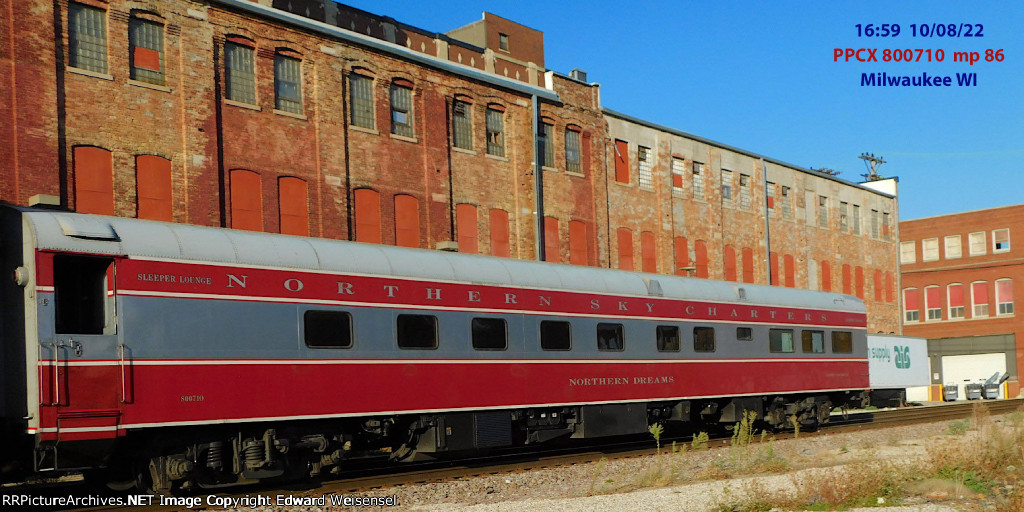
column 958, row 277
column 309, row 117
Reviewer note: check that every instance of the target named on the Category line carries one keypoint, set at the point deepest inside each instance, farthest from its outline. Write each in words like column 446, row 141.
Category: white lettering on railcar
column 233, row 279
column 474, row 296
column 293, row 285
column 623, row 306
column 595, row 304
column 510, row 298
column 433, row 294
column 158, row 278
column 345, row 288
column 195, row 280
column 391, row 289
column 193, row 398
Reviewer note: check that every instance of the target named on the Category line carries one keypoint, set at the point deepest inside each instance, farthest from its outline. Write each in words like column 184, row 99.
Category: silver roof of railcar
column 64, row 231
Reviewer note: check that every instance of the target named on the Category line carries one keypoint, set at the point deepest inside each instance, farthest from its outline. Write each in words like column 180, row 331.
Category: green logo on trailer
column 902, row 357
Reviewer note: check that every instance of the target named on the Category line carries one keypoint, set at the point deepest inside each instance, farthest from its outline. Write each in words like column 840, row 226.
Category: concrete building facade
column 959, row 272
column 311, row 118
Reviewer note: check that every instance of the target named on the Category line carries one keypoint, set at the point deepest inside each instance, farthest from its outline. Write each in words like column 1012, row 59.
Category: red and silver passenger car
column 179, row 355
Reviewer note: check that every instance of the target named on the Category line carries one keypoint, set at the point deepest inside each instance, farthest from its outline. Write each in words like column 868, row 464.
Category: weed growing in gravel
column 700, row 441
column 656, row 431
column 959, row 427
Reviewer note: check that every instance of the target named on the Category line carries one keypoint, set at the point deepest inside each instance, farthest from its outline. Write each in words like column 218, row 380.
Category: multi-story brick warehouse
column 959, row 274
column 314, row 118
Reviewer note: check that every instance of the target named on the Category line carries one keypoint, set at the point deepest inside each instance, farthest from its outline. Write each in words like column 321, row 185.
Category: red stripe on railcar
column 175, row 393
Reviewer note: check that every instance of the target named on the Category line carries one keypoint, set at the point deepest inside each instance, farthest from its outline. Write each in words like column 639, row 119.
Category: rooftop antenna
column 873, row 164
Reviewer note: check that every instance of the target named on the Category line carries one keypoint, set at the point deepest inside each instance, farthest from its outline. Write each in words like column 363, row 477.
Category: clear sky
column 761, row 76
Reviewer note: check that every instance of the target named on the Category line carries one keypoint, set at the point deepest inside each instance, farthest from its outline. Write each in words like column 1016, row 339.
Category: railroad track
column 373, row 479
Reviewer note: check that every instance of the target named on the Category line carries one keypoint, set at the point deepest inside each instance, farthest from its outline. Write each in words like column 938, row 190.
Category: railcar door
column 88, row 386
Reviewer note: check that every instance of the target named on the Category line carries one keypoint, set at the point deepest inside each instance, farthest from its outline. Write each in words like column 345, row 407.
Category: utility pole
column 873, row 164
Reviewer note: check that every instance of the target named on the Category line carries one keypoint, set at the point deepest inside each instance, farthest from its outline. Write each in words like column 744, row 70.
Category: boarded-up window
column 700, row 250
column 407, row 221
column 682, row 256
column 911, row 305
column 773, row 262
column 621, row 161
column 294, row 199
column 889, row 287
column 648, row 252
column 287, row 84
column 847, row 280
column 552, row 249
column 94, row 180
column 367, row 213
column 826, row 276
column 246, row 200
column 858, row 281
column 87, row 37
column 878, row 286
column 360, row 90
column 240, row 73
column 146, row 47
column 500, row 245
column 790, row 267
column 729, row 254
column 462, row 124
column 955, row 296
column 748, row 265
column 625, row 248
column 468, row 232
column 578, row 243
column 153, row 188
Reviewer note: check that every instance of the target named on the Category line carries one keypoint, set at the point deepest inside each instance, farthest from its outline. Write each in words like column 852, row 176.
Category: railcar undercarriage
column 189, row 459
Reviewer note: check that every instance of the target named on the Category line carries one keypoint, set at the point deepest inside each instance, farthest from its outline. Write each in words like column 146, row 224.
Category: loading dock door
column 965, row 369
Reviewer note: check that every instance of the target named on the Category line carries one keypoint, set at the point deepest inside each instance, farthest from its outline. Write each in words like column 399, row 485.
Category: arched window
column 552, row 248
column 682, row 256
column 730, row 263
column 979, row 298
column 911, row 305
column 293, row 198
column 153, row 188
column 700, row 250
column 625, row 246
column 1004, row 296
column 287, row 82
column 360, row 98
column 402, row 109
column 933, row 302
column 94, row 180
column 790, row 265
column 468, row 232
column 573, row 149
column 578, row 243
column 826, row 277
column 367, row 216
column 955, row 299
column 748, row 265
column 146, row 49
column 499, row 226
column 246, row 200
column 648, row 252
column 407, row 221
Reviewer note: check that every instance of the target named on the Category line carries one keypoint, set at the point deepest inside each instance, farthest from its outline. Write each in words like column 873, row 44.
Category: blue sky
column 761, row 76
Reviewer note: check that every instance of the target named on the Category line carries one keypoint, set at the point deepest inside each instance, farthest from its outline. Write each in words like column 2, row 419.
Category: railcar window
column 703, row 339
column 780, row 340
column 744, row 333
column 842, row 342
column 490, row 334
column 610, row 337
column 327, row 329
column 813, row 341
column 80, row 289
column 668, row 338
column 555, row 335
column 417, row 331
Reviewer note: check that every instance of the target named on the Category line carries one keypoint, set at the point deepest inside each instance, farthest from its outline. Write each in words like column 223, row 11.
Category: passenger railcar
column 182, row 356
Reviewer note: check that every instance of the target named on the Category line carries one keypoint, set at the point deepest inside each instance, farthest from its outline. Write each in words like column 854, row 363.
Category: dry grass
column 981, row 470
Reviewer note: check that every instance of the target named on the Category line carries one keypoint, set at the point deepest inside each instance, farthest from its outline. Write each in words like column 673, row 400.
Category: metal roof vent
column 578, row 74
column 85, row 227
column 654, row 287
